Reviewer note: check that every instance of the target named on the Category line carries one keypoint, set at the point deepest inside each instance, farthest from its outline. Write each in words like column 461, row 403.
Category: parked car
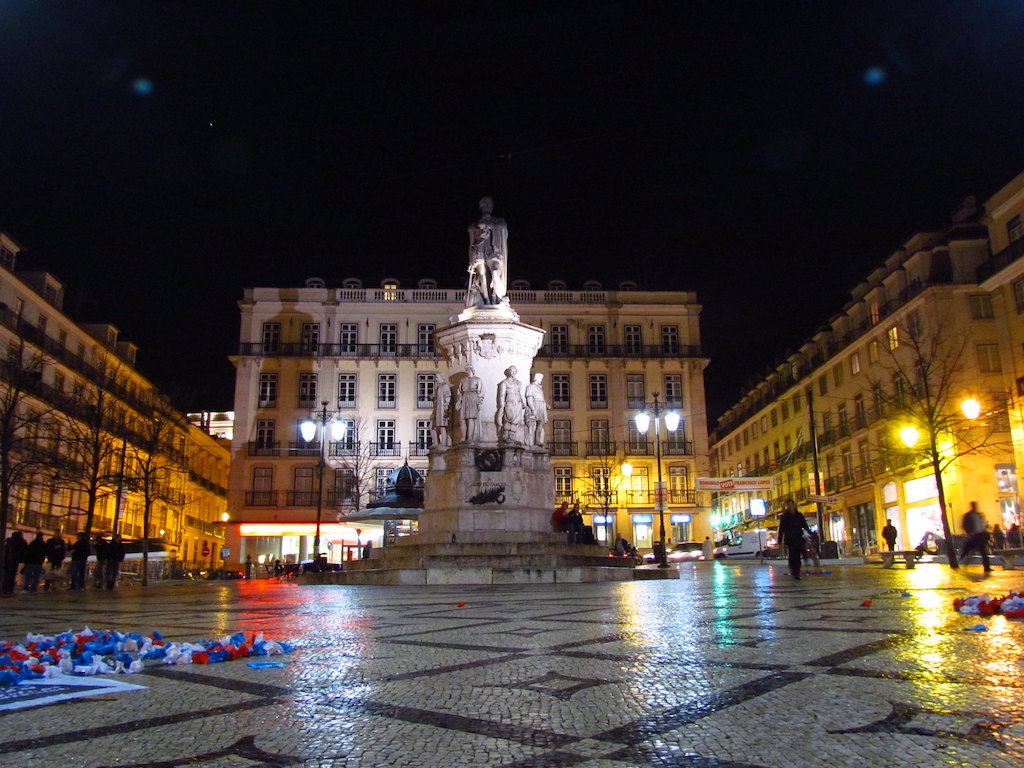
column 756, row 543
column 682, row 552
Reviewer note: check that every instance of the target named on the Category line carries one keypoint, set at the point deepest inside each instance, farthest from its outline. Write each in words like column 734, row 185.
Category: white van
column 747, row 544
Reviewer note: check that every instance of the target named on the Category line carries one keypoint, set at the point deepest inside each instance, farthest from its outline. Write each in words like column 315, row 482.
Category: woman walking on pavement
column 792, row 526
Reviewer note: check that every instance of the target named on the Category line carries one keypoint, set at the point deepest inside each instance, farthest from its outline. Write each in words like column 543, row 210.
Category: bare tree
column 156, row 455
column 355, row 468
column 28, row 411
column 924, row 381
column 601, row 486
column 95, row 445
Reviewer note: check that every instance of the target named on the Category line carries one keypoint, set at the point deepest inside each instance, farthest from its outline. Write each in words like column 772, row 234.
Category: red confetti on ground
column 460, row 605
column 866, row 604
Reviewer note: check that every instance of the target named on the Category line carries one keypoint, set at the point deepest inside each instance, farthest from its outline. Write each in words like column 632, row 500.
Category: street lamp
column 643, row 423
column 308, row 429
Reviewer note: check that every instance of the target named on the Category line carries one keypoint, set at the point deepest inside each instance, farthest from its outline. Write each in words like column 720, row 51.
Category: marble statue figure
column 536, row 411
column 511, row 413
column 467, row 403
column 442, row 406
column 488, row 258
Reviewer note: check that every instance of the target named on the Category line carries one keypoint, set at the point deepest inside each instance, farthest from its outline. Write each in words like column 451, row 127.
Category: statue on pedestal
column 467, row 403
column 442, row 406
column 536, row 411
column 511, row 413
column 488, row 258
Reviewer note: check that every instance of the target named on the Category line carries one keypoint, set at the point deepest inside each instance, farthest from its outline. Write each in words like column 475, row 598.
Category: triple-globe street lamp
column 322, row 421
column 643, row 423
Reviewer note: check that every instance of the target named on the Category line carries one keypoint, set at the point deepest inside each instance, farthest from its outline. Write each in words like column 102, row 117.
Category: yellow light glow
column 330, row 531
column 224, row 517
column 626, row 469
column 971, row 408
column 909, row 436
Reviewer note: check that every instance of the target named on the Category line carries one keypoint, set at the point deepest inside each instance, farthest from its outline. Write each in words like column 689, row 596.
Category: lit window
column 893, row 337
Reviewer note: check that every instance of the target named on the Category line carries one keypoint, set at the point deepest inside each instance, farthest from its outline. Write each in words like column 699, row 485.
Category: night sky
column 161, row 156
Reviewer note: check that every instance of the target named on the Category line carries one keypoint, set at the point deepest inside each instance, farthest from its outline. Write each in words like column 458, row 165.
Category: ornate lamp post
column 643, row 423
column 321, row 419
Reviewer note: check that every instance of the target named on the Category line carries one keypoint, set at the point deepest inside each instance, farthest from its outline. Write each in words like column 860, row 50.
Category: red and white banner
column 735, row 483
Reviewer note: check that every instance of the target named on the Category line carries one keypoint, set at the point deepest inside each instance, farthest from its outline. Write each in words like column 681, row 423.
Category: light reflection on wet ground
column 722, row 667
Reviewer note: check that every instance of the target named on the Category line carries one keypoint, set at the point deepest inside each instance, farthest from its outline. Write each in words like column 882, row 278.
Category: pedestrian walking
column 998, row 537
column 14, row 556
column 792, row 526
column 35, row 556
column 112, row 564
column 977, row 537
column 56, row 551
column 79, row 556
column 100, row 550
column 890, row 534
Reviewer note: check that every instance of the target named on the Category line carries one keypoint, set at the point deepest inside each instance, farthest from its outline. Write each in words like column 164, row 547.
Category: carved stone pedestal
column 487, row 506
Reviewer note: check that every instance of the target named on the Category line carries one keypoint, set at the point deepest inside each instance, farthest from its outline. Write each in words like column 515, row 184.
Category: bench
column 908, row 556
column 1008, row 556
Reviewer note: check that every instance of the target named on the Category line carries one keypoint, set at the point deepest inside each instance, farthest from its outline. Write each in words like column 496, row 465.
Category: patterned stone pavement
column 730, row 666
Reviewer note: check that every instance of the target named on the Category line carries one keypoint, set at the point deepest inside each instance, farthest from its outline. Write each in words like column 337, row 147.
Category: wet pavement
column 731, row 665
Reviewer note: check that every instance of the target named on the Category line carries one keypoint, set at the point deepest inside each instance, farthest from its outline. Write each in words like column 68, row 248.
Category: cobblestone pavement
column 732, row 665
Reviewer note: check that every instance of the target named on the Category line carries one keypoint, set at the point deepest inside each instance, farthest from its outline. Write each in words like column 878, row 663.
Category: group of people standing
column 42, row 560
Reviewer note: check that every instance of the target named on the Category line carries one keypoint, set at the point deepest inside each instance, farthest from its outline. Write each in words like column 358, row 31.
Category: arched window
column 556, row 285
column 627, row 285
column 427, row 283
column 592, row 285
column 315, row 282
column 352, row 282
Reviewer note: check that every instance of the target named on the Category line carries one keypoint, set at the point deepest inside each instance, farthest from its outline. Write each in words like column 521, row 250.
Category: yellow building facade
column 828, row 422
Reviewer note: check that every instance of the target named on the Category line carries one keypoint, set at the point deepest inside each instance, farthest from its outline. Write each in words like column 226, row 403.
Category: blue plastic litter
column 905, row 594
column 976, row 628
column 264, row 664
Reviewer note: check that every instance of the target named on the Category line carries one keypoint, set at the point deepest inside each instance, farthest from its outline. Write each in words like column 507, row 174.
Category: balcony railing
column 1001, row 260
column 261, row 498
column 639, row 448
column 302, row 448
column 420, row 448
column 677, row 448
column 564, row 448
column 264, row 448
column 292, row 349
column 385, row 449
column 300, row 498
column 587, row 351
column 600, row 448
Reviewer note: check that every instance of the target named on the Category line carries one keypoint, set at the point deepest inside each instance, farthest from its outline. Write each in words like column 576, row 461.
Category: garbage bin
column 658, row 551
column 829, row 550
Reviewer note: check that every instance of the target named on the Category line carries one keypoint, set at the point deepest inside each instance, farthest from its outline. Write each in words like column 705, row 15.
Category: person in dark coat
column 56, row 551
column 890, row 534
column 14, row 556
column 35, row 556
column 79, row 556
column 1013, row 538
column 99, row 549
column 977, row 537
column 792, row 526
column 112, row 564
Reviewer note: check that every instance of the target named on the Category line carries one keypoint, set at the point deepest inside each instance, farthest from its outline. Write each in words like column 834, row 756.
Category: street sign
column 660, row 497
column 735, row 483
column 823, row 499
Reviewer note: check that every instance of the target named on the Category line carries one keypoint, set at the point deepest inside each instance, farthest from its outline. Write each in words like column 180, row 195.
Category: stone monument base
column 552, row 561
